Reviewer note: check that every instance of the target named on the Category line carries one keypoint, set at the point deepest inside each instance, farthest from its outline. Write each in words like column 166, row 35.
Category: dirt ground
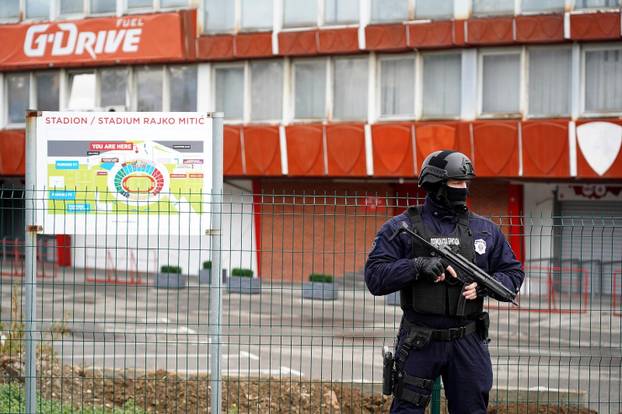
column 165, row 392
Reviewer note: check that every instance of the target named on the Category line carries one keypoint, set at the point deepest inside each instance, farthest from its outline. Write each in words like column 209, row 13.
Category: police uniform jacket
column 389, row 266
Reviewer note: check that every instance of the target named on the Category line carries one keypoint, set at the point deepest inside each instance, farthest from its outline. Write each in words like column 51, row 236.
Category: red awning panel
column 338, row 40
column 432, row 35
column 345, row 147
column 435, row 136
column 495, row 148
column 540, row 28
column 12, row 152
column 232, row 151
column 252, row 45
column 490, row 31
column 595, row 26
column 386, row 37
column 298, row 43
column 262, row 150
column 545, row 149
column 305, row 149
column 392, row 146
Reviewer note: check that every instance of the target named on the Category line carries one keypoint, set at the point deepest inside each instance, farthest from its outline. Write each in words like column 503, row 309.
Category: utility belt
column 394, row 377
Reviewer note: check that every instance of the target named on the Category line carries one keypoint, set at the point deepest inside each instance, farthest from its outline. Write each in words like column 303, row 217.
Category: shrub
column 241, row 272
column 321, row 278
column 170, row 269
column 207, row 265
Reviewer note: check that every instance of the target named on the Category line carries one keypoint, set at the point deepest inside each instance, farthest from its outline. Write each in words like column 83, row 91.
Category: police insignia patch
column 480, row 246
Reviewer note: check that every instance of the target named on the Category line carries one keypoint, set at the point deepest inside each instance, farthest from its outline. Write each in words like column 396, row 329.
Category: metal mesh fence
column 122, row 321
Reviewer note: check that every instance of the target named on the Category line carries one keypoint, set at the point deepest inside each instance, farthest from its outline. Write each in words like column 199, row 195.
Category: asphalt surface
column 279, row 334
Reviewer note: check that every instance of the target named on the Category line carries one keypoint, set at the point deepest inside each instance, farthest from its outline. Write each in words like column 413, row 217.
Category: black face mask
column 457, row 195
column 453, row 198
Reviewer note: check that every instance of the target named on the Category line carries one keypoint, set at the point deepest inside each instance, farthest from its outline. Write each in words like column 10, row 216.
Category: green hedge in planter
column 241, row 272
column 321, row 278
column 207, row 265
column 170, row 269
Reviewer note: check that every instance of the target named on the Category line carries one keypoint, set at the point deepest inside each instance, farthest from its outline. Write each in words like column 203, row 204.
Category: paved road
column 280, row 334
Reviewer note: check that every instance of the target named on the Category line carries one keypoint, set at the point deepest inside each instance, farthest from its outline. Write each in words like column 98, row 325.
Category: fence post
column 435, row 407
column 30, row 262
column 215, row 289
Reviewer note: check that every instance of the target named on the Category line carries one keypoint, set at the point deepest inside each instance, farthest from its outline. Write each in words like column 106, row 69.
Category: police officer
column 444, row 330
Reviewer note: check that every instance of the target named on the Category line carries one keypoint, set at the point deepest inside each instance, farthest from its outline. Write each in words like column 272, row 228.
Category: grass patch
column 12, row 400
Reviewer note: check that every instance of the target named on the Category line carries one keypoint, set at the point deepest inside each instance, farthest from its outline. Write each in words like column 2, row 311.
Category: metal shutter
column 591, row 246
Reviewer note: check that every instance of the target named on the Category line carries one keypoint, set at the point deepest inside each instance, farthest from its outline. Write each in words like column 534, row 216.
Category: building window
column 493, row 7
column 434, row 9
column 341, row 11
column 596, row 4
column 47, row 90
column 103, row 6
column 299, row 13
column 256, row 14
column 397, row 87
column 173, row 3
column 389, row 10
column 9, row 9
column 549, row 81
column 139, row 4
column 114, row 92
column 71, row 7
column 219, row 16
column 500, row 83
column 183, row 88
column 149, row 88
column 37, row 9
column 266, row 90
column 229, row 92
column 18, row 93
column 309, row 89
column 539, row 6
column 350, row 88
column 603, row 81
column 441, row 85
column 82, row 91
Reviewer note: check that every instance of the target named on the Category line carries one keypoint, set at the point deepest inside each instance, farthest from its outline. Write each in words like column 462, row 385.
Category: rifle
column 463, row 266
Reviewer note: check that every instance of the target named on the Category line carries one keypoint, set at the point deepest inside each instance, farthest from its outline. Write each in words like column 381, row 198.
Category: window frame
column 322, row 16
column 526, row 81
column 277, row 16
column 520, row 51
column 16, row 19
column 410, row 14
column 59, row 15
column 597, row 47
column 5, row 99
column 332, row 76
column 51, row 15
column 568, row 5
column 248, row 91
column 327, row 89
column 416, row 82
column 319, row 16
column 90, row 12
column 419, row 85
column 245, row 91
column 515, row 10
column 416, row 18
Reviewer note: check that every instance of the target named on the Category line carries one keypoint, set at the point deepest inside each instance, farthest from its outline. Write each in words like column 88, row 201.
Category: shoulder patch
column 480, row 246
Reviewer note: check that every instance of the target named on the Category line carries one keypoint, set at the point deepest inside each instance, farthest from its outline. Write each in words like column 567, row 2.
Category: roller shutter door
column 591, row 247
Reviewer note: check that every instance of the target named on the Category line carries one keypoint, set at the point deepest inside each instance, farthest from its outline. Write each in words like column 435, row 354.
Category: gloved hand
column 429, row 268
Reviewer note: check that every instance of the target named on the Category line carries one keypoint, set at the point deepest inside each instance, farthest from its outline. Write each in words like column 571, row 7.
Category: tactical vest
column 445, row 298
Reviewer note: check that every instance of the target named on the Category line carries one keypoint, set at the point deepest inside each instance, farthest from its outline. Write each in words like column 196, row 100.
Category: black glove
column 428, row 268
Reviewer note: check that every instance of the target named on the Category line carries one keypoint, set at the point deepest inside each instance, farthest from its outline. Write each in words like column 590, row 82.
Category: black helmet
column 440, row 166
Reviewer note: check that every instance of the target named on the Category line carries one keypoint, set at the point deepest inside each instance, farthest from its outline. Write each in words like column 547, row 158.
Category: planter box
column 247, row 285
column 205, row 276
column 171, row 281
column 392, row 299
column 319, row 290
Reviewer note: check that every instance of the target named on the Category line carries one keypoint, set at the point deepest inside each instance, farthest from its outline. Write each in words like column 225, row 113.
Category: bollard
column 435, row 406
